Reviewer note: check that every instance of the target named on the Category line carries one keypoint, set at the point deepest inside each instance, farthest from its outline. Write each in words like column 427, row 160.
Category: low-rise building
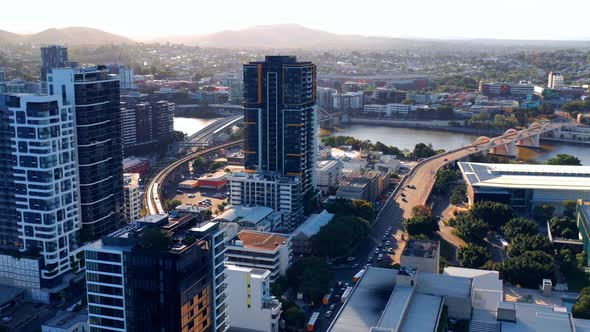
column 367, row 185
column 526, row 186
column 65, row 321
column 423, row 255
column 328, row 174
column 260, row 250
column 251, row 306
column 301, row 237
column 216, row 180
column 132, row 194
column 258, row 218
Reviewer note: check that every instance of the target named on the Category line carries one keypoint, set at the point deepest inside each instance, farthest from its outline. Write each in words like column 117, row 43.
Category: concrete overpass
column 204, row 137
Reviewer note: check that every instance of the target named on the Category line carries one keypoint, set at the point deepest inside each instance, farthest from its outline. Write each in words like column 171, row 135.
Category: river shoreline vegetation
column 420, row 151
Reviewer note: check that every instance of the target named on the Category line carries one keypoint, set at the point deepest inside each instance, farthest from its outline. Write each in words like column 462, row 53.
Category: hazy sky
column 141, row 20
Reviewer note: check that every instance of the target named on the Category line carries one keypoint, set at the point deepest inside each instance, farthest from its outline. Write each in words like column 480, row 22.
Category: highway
column 214, row 129
column 421, row 178
column 153, row 199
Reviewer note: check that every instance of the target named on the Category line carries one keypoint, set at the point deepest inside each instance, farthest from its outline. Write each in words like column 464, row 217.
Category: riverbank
column 438, row 125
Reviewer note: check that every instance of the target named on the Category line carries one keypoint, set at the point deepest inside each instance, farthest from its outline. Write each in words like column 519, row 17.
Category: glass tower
column 280, row 121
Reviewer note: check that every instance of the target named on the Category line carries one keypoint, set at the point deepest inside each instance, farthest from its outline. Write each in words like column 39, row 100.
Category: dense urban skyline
column 457, row 19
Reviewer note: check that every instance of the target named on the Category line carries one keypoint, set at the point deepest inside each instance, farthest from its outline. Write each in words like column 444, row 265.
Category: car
column 355, row 265
column 380, row 257
column 376, row 250
column 350, row 259
column 446, row 159
column 404, row 199
column 191, row 195
column 180, row 192
column 389, row 229
column 6, row 319
column 332, row 306
column 328, row 314
column 380, row 245
column 390, row 250
column 387, row 243
column 403, row 195
column 384, row 237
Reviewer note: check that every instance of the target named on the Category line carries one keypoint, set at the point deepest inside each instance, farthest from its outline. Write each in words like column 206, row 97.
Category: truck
column 346, row 294
column 312, row 320
column 326, row 299
column 358, row 275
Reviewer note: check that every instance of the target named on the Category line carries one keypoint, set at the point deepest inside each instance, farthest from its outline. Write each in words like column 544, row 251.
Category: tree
column 581, row 308
column 564, row 159
column 173, row 203
column 358, row 207
column 422, row 150
column 543, row 212
column 426, row 225
column 519, row 225
column 198, row 163
column 522, row 243
column 216, row 165
column 294, row 317
column 340, row 236
column 279, row 286
column 445, row 177
column 472, row 229
column 564, row 227
column 311, row 276
column 527, row 269
column 472, row 256
column 569, row 208
column 155, row 240
column 459, row 195
column 493, row 213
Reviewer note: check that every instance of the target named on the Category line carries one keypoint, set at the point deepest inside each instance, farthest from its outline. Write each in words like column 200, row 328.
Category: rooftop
column 66, row 320
column 524, row 176
column 261, row 273
column 422, row 248
column 131, row 179
column 312, row 225
column 252, row 214
column 325, row 165
column 261, row 240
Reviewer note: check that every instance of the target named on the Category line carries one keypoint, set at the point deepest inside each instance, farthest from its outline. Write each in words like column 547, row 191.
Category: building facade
column 279, row 118
column 134, row 285
column 53, row 56
column 40, row 206
column 282, row 194
column 328, row 173
column 95, row 94
column 133, row 197
column 251, row 305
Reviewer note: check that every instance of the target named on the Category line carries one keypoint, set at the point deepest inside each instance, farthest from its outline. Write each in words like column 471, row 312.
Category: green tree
column 279, row 286
column 543, row 212
column 426, row 225
column 564, row 227
column 581, row 308
column 519, row 225
column 472, row 256
column 459, row 195
column 155, row 240
column 492, row 213
column 311, row 276
column 564, row 159
column 173, row 203
column 294, row 317
column 444, row 178
column 198, row 162
column 522, row 243
column 472, row 229
column 569, row 208
column 358, row 207
column 527, row 269
column 216, row 165
column 422, row 150
column 340, row 236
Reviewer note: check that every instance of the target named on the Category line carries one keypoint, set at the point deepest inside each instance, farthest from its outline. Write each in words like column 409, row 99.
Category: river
column 407, row 138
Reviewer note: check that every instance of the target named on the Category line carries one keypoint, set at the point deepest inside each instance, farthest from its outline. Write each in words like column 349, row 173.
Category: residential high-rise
column 133, row 199
column 2, row 74
column 53, row 56
column 279, row 118
column 157, row 274
column 95, row 94
column 555, row 80
column 39, row 193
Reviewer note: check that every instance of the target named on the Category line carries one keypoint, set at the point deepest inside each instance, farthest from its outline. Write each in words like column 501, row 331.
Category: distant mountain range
column 65, row 36
column 284, row 36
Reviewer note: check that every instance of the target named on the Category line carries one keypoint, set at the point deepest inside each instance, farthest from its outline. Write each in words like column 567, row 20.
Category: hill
column 66, row 36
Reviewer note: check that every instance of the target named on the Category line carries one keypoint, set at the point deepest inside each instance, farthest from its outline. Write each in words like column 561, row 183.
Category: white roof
column 312, row 225
column 523, row 176
column 253, row 214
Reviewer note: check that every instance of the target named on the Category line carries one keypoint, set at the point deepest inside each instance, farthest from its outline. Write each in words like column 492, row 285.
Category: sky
column 444, row 19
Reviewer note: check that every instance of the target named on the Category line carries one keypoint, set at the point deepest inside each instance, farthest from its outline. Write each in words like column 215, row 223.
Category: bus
column 358, row 275
column 326, row 299
column 346, row 294
column 312, row 320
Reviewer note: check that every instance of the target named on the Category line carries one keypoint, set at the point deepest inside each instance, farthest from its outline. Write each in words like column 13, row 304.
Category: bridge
column 530, row 137
column 329, row 119
column 204, row 137
column 153, row 199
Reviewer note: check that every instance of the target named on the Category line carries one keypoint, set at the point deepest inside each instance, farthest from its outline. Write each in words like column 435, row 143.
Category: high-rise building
column 40, row 213
column 555, row 80
column 95, row 94
column 251, row 306
column 133, row 199
column 125, row 74
column 53, row 56
column 279, row 118
column 236, row 91
column 2, row 74
column 157, row 274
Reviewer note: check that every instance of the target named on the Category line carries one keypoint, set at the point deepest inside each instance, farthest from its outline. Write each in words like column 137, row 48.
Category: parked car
column 191, row 195
column 6, row 319
column 387, row 243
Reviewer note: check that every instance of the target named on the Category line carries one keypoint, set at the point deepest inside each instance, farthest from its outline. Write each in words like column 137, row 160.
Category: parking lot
column 196, row 195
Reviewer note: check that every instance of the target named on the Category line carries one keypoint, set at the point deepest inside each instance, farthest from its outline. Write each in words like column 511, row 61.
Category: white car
column 380, row 257
column 191, row 195
column 328, row 314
